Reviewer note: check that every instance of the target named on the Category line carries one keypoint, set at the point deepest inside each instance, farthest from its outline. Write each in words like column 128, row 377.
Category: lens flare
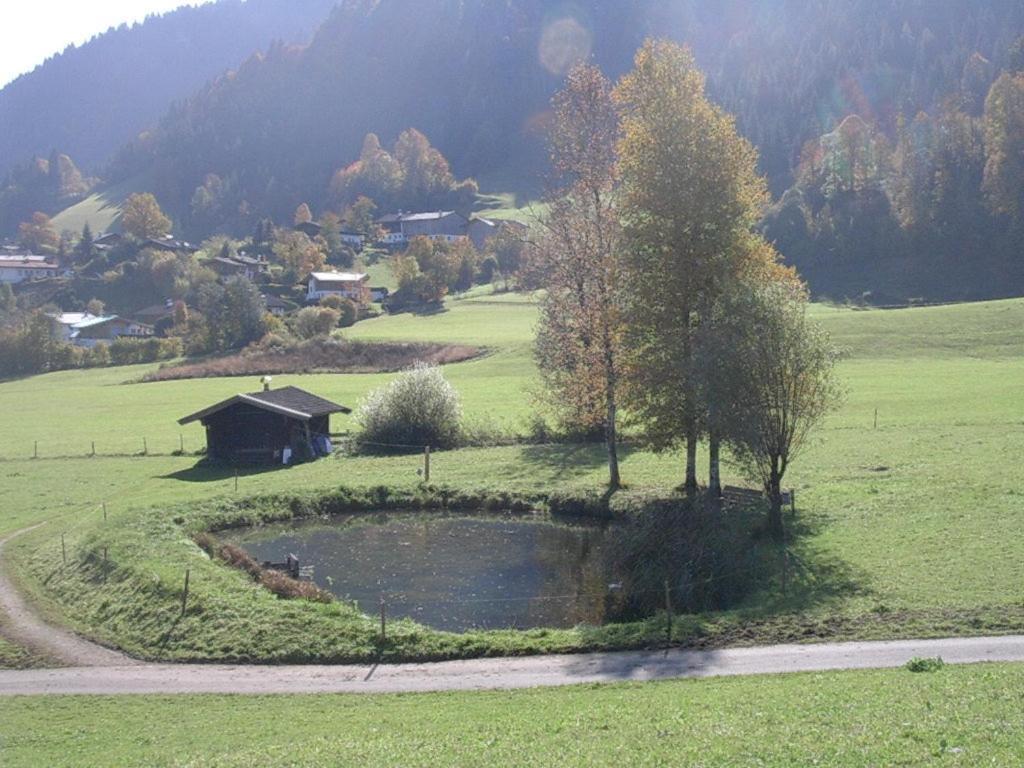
column 563, row 44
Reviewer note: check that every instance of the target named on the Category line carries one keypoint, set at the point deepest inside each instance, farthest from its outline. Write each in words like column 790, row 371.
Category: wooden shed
column 272, row 426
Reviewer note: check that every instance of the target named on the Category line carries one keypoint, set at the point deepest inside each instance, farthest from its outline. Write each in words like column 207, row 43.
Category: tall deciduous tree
column 142, row 218
column 1004, row 145
column 298, row 253
column 779, row 374
column 579, row 339
column 303, row 215
column 691, row 196
column 38, row 235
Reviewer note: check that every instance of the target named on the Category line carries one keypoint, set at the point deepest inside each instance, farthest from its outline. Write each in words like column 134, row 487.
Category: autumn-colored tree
column 779, row 376
column 360, row 217
column 579, row 336
column 690, row 196
column 298, row 254
column 142, row 218
column 38, row 235
column 330, row 232
column 1004, row 145
column 507, row 248
column 302, row 215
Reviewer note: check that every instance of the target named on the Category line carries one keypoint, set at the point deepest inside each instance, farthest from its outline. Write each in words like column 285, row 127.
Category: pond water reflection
column 452, row 573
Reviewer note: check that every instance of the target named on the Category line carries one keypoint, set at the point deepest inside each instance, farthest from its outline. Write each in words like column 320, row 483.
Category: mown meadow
column 907, row 527
column 956, row 716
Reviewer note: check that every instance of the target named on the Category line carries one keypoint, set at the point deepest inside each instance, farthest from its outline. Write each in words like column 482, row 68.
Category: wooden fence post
column 184, row 595
column 145, row 448
column 104, row 511
column 181, row 443
column 426, row 464
column 35, row 449
column 876, row 418
column 668, row 612
column 63, row 551
column 383, row 619
column 93, row 447
column 236, row 479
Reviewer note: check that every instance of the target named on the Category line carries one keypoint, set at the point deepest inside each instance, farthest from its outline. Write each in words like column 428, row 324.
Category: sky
column 33, row 30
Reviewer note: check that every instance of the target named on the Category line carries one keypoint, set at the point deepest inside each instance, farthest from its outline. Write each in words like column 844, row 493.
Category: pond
column 450, row 572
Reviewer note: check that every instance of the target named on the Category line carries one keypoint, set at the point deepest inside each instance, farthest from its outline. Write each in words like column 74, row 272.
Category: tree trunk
column 775, row 526
column 714, row 467
column 611, row 441
column 691, row 460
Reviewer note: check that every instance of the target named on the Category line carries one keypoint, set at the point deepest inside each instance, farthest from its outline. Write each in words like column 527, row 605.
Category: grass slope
column 910, row 528
column 956, row 716
column 101, row 210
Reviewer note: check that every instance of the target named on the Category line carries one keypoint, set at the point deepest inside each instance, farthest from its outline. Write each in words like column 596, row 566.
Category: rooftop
column 27, row 262
column 338, row 277
column 289, row 401
column 392, row 218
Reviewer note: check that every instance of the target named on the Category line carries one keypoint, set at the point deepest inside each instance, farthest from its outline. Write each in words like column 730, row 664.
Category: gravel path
column 482, row 674
column 23, row 626
column 93, row 669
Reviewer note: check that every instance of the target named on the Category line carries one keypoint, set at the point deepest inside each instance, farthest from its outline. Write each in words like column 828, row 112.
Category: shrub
column 925, row 665
column 126, row 351
column 418, row 408
column 279, row 583
column 349, row 313
column 316, row 321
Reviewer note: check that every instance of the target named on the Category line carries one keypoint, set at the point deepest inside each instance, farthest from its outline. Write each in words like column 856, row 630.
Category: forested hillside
column 89, row 100
column 891, row 175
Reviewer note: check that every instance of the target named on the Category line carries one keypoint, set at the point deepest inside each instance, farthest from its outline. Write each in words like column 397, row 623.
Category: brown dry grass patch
column 319, row 356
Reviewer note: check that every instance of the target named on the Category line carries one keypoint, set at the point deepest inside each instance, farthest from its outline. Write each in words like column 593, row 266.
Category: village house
column 309, row 228
column 170, row 245
column 108, row 241
column 275, row 306
column 238, row 265
column 312, row 229
column 399, row 228
column 349, row 285
column 20, row 268
column 272, row 426
column 66, row 322
column 103, row 330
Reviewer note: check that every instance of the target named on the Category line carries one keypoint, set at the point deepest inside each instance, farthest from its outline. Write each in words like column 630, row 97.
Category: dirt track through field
column 93, row 669
column 23, row 626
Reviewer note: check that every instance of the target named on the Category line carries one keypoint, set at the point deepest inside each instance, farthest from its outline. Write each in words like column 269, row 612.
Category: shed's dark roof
column 289, row 401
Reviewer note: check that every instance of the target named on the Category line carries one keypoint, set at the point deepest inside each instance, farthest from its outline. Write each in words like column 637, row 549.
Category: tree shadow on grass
column 562, row 462
column 209, row 472
column 780, row 594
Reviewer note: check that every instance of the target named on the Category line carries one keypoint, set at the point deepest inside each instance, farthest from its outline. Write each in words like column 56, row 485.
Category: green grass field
column 911, row 528
column 965, row 716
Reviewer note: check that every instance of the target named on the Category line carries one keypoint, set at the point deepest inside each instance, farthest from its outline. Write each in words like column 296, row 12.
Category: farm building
column 91, row 331
column 25, row 267
column 268, row 427
column 349, row 285
column 400, row 228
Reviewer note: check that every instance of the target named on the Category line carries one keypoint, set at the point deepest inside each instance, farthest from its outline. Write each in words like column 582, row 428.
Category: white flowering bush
column 419, row 407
